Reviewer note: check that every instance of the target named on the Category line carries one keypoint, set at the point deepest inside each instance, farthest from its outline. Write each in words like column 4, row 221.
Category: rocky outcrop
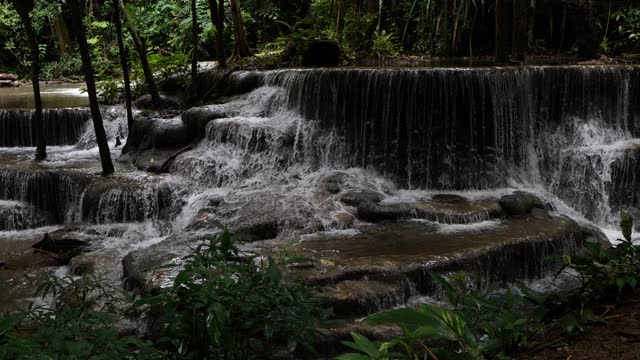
column 8, row 80
column 196, row 120
column 213, row 84
column 458, row 212
column 366, row 271
column 260, row 215
column 145, row 102
column 520, row 203
column 156, row 134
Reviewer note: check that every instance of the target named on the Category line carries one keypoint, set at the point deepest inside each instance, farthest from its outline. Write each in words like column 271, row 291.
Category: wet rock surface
column 520, row 203
column 370, row 269
column 460, row 211
column 157, row 134
column 196, row 120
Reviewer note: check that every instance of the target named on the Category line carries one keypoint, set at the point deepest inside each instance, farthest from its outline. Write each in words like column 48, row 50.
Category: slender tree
column 101, row 136
column 241, row 46
column 196, row 41
column 24, row 8
column 217, row 17
column 141, row 49
column 124, row 63
column 520, row 30
column 501, row 32
column 340, row 13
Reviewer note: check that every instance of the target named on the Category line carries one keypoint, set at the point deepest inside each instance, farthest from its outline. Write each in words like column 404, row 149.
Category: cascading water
column 63, row 126
column 302, row 153
column 456, row 129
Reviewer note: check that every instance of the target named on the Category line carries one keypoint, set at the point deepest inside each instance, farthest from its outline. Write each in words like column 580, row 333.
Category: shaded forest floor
column 617, row 337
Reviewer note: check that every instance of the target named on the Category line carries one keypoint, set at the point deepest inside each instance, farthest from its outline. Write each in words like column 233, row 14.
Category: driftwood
column 62, row 250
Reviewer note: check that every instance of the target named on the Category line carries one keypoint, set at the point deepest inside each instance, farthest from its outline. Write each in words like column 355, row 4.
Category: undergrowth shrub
column 225, row 306
column 78, row 324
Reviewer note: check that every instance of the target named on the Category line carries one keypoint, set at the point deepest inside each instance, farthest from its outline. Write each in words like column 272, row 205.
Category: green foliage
column 386, row 44
column 503, row 320
column 606, row 275
column 71, row 328
column 622, row 29
column 222, row 306
column 69, row 66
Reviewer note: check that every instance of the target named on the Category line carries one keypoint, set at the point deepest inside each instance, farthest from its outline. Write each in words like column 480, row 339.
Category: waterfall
column 456, row 129
column 56, row 192
column 63, row 127
column 15, row 215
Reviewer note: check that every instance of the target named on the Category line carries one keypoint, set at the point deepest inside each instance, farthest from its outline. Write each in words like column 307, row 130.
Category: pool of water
column 53, row 97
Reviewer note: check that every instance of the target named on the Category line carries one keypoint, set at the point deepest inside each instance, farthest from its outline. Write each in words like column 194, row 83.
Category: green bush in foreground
column 70, row 328
column 222, row 306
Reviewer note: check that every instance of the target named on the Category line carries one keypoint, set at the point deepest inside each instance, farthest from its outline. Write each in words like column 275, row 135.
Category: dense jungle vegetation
column 275, row 29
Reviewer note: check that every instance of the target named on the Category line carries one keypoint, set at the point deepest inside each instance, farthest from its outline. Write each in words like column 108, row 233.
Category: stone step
column 382, row 265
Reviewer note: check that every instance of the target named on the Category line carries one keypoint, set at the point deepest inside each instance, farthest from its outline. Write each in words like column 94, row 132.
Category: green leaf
column 353, row 356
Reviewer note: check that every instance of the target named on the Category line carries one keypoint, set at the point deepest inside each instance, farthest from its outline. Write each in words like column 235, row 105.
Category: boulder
column 153, row 268
column 538, row 213
column 333, row 183
column 8, row 77
column 322, row 53
column 144, row 102
column 8, row 83
column 156, row 134
column 196, row 119
column 97, row 263
column 259, row 215
column 594, row 235
column 358, row 197
column 520, row 203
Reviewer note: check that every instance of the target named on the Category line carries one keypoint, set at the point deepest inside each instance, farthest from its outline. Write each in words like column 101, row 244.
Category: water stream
column 569, row 134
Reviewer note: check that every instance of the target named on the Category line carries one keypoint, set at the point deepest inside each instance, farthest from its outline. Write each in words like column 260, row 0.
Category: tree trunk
column 124, row 63
column 196, row 42
column 217, row 18
column 241, row 47
column 24, row 8
column 38, row 118
column 62, row 34
column 340, row 12
column 101, row 136
column 531, row 34
column 520, row 30
column 141, row 49
column 501, row 32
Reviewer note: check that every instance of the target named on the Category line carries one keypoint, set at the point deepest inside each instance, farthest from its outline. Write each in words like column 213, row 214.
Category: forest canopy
column 277, row 31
